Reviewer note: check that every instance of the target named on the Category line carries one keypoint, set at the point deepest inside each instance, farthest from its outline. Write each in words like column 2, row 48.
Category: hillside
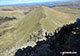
column 41, row 17
column 6, row 21
column 67, row 10
column 73, row 12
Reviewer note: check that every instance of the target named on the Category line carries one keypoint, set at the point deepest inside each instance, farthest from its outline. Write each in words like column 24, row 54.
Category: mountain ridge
column 43, row 17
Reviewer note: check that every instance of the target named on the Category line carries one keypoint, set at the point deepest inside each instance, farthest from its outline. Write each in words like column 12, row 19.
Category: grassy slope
column 18, row 13
column 5, row 40
column 55, row 19
column 73, row 12
column 41, row 17
column 67, row 10
column 23, row 28
column 30, row 23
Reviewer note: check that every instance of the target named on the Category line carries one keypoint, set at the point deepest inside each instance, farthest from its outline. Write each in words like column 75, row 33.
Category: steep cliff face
column 66, row 38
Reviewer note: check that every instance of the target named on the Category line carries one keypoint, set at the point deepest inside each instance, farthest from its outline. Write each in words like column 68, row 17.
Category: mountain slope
column 74, row 13
column 30, row 23
column 41, row 17
column 55, row 19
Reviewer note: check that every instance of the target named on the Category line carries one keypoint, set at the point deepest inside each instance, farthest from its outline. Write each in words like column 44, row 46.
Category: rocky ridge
column 66, row 38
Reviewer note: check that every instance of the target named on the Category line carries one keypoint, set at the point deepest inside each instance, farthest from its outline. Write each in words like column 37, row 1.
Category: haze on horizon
column 10, row 2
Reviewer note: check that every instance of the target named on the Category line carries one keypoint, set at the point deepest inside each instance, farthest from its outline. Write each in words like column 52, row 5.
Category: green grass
column 7, row 39
column 74, row 13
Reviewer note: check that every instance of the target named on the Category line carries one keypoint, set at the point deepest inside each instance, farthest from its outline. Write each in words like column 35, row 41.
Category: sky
column 8, row 2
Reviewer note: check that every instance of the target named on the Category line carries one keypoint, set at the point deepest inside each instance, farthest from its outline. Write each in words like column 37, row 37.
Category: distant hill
column 67, row 10
column 73, row 5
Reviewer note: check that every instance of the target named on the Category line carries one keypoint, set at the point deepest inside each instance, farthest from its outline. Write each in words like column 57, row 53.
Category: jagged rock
column 38, row 36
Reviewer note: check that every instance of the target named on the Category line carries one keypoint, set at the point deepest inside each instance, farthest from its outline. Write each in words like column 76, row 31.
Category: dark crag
column 67, row 38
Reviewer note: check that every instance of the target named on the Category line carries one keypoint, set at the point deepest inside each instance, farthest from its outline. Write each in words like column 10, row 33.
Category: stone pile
column 67, row 38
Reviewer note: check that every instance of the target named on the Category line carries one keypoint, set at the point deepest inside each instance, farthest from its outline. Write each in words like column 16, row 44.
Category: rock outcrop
column 66, row 38
column 38, row 35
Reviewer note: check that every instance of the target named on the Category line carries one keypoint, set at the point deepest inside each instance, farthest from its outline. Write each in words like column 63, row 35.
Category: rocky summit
column 66, row 38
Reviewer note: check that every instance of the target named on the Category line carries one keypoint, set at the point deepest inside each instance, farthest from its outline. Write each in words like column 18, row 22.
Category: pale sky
column 7, row 2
